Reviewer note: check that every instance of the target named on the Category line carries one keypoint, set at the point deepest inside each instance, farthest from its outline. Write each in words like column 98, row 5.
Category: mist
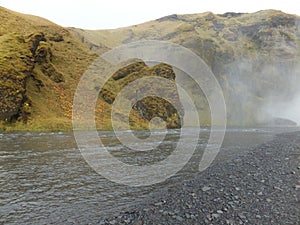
column 284, row 100
column 264, row 86
column 289, row 109
column 257, row 91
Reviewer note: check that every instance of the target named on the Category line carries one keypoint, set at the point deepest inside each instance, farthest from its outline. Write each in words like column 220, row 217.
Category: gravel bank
column 261, row 186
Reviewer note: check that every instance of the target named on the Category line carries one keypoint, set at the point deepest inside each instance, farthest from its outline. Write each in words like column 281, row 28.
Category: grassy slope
column 50, row 104
column 258, row 41
column 46, row 73
column 221, row 40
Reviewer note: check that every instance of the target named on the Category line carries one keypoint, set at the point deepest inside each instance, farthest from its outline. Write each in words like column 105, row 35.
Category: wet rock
column 215, row 215
column 160, row 203
column 179, row 218
column 127, row 221
column 206, row 188
column 193, row 195
column 113, row 222
column 139, row 222
column 230, row 222
column 188, row 216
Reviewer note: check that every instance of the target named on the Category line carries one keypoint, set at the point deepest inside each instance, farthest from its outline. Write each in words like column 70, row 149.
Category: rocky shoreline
column 261, row 186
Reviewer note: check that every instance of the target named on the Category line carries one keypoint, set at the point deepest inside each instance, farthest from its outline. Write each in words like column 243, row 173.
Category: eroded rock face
column 43, row 56
column 18, row 58
column 16, row 66
column 145, row 100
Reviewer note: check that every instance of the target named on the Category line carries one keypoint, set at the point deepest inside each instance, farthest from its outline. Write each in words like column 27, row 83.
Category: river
column 45, row 180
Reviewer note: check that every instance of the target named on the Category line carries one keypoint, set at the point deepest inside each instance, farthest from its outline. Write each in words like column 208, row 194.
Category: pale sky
column 104, row 14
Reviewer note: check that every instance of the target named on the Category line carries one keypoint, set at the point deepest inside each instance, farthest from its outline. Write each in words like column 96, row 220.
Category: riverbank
column 258, row 187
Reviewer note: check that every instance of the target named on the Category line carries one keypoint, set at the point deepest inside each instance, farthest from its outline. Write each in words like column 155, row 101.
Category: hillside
column 255, row 57
column 41, row 64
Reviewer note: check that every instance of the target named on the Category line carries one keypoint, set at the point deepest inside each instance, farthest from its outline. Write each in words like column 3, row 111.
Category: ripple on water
column 44, row 179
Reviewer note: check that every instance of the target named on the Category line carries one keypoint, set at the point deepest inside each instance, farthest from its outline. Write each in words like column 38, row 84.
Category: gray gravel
column 261, row 186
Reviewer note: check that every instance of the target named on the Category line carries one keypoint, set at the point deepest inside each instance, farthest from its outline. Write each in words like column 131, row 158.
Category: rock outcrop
column 40, row 65
column 19, row 59
column 151, row 106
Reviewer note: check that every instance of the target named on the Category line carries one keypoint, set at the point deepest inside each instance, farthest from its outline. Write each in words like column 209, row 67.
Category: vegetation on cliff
column 152, row 106
column 41, row 64
column 255, row 57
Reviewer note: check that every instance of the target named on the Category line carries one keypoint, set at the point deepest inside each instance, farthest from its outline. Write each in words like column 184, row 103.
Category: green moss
column 149, row 107
column 36, row 56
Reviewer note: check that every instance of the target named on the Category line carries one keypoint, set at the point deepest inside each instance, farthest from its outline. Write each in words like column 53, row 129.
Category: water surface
column 45, row 180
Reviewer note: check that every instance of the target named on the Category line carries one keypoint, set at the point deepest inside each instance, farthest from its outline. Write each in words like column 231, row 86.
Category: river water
column 45, row 180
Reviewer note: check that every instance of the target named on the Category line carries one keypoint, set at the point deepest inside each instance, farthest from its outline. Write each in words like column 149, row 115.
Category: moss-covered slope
column 41, row 64
column 254, row 56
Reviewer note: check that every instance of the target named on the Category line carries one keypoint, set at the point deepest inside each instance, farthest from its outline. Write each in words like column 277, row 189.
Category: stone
column 205, row 188
column 215, row 215
column 179, row 218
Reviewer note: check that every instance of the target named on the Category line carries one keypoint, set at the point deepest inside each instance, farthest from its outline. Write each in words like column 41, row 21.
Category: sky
column 100, row 14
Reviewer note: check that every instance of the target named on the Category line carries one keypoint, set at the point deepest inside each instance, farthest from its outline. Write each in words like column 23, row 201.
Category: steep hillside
column 255, row 56
column 41, row 65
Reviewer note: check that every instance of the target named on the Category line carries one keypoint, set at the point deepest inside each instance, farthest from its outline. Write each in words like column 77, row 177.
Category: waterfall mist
column 265, row 86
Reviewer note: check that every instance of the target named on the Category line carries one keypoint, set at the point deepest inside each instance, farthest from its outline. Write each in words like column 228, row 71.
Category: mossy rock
column 50, row 71
column 14, row 72
column 56, row 37
column 148, row 107
column 43, row 53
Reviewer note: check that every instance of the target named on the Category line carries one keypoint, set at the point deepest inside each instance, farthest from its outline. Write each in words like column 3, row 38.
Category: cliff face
column 255, row 57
